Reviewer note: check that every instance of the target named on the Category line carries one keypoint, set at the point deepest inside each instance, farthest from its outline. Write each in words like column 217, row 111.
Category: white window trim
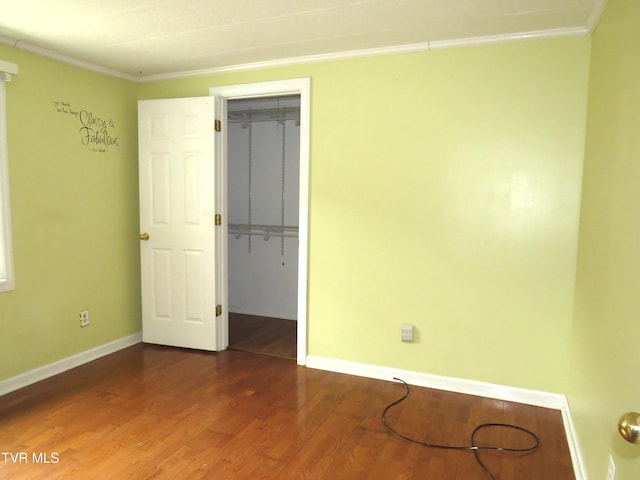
column 7, row 276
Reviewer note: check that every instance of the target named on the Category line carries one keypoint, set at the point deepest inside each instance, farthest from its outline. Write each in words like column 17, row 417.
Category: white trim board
column 596, row 13
column 470, row 387
column 8, row 67
column 368, row 52
column 55, row 368
column 340, row 55
column 45, row 52
column 295, row 86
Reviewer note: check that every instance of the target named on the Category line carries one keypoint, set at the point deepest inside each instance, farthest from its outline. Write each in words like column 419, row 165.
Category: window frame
column 7, row 273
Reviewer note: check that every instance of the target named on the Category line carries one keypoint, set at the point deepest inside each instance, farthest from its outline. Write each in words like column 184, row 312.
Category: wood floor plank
column 159, row 412
column 266, row 335
column 551, row 440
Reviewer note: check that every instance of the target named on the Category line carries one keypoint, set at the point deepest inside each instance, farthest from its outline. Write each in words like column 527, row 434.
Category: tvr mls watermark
column 24, row 457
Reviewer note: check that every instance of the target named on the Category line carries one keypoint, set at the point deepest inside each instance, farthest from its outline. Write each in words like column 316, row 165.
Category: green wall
column 605, row 381
column 445, row 192
column 74, row 214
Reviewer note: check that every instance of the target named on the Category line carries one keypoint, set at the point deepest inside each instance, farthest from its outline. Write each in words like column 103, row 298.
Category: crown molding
column 282, row 62
column 44, row 52
column 596, row 13
column 510, row 37
column 324, row 57
column 408, row 48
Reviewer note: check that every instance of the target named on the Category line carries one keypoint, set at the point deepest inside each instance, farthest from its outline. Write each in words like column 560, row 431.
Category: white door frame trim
column 297, row 86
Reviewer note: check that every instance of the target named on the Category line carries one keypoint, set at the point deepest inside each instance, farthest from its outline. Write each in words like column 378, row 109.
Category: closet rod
column 266, row 236
column 270, row 228
column 266, row 231
column 263, row 120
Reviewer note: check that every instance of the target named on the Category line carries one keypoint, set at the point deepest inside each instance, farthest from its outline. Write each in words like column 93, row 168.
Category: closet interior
column 263, row 152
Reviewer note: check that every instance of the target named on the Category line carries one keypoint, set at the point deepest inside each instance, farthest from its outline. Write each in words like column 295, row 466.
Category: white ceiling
column 155, row 37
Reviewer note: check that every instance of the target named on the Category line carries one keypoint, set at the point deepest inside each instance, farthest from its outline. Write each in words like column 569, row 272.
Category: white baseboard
column 470, row 387
column 68, row 363
column 451, row 384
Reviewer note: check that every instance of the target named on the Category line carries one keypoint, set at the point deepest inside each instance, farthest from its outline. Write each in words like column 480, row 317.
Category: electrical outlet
column 406, row 332
column 611, row 470
column 84, row 318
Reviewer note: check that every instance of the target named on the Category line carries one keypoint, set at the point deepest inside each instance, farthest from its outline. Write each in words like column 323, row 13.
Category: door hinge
column 218, row 219
column 218, row 310
column 218, row 125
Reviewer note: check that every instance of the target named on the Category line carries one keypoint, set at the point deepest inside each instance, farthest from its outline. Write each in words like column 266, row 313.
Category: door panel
column 177, row 210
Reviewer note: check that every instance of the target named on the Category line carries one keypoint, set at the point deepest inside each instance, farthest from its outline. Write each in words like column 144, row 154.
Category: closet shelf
column 264, row 115
column 266, row 231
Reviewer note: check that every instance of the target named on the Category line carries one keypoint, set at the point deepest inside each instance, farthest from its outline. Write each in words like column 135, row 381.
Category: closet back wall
column 263, row 170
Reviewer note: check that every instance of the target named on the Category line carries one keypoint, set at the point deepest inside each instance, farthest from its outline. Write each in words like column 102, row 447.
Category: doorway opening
column 263, row 170
column 280, row 88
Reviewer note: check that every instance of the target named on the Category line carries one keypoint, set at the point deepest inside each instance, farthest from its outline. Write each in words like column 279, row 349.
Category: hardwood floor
column 269, row 336
column 160, row 412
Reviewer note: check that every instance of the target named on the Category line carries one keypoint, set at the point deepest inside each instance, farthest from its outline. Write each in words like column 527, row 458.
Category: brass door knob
column 144, row 236
column 629, row 426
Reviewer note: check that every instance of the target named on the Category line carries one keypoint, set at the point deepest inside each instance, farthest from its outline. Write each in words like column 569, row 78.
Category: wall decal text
column 96, row 132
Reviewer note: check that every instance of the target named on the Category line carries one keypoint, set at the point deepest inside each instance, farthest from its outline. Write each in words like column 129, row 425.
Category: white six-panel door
column 177, row 212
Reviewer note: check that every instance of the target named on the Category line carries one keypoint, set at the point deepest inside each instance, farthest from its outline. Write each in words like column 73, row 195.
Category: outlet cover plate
column 84, row 318
column 406, row 332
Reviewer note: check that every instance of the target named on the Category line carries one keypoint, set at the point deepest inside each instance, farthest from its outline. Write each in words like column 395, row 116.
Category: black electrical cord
column 472, row 447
